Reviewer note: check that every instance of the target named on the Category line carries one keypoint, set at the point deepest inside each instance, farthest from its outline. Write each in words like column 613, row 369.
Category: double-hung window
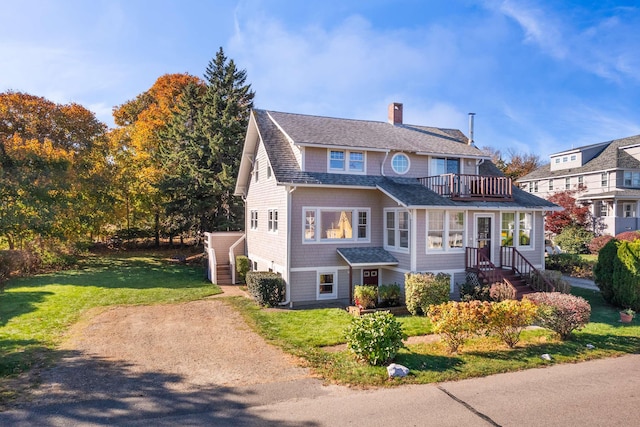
column 336, row 224
column 254, row 220
column 632, row 179
column 603, row 179
column 327, row 285
column 396, row 224
column 272, row 223
column 346, row 161
column 518, row 224
column 445, row 230
column 550, row 184
column 628, row 210
column 567, row 183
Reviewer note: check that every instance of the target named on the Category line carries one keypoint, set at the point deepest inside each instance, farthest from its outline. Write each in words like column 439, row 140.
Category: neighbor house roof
column 611, row 157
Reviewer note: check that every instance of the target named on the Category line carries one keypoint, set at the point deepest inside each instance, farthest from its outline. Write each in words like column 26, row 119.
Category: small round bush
column 508, row 318
column 366, row 296
column 456, row 321
column 598, row 243
column 562, row 313
column 574, row 239
column 375, row 338
column 425, row 289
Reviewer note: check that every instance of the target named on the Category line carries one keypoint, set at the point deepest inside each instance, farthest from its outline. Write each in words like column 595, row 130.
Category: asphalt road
column 597, row 393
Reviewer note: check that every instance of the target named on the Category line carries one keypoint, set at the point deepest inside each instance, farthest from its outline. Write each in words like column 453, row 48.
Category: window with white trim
column 400, row 163
column 573, row 157
column 629, row 210
column 336, row 224
column 441, row 166
column 535, row 186
column 396, row 229
column 327, row 285
column 445, row 230
column 346, row 161
column 603, row 179
column 272, row 223
column 567, row 183
column 580, row 181
column 602, row 208
column 550, row 184
column 523, row 228
column 254, row 220
column 256, row 170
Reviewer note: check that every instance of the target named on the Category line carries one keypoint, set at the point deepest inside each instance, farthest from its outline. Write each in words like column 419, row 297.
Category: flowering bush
column 375, row 337
column 425, row 289
column 507, row 319
column 366, row 296
column 629, row 236
column 457, row 321
column 560, row 312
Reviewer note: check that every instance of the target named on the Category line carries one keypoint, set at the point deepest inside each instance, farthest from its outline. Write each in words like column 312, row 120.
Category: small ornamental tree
column 603, row 271
column 574, row 214
column 574, row 239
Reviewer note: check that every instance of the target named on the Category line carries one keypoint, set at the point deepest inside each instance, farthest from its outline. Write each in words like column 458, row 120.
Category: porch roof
column 366, row 257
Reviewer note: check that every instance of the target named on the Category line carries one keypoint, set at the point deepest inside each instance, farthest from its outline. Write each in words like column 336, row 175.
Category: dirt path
column 135, row 350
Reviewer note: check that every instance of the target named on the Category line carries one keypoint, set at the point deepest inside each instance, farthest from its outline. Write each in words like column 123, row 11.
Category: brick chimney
column 395, row 113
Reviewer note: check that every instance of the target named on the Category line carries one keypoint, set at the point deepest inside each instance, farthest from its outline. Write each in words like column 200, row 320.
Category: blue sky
column 541, row 76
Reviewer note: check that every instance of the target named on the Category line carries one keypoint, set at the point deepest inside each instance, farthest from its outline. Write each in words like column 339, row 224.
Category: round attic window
column 400, row 163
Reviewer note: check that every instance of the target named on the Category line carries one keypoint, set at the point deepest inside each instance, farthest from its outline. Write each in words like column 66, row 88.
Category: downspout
column 287, row 291
column 386, row 154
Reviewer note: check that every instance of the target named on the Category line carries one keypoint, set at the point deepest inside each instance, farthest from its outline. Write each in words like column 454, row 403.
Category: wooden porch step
column 223, row 274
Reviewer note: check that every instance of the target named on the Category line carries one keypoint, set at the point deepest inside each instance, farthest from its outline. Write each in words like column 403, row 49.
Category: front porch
column 513, row 270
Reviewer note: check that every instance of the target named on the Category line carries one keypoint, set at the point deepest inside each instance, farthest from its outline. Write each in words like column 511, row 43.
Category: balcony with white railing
column 470, row 187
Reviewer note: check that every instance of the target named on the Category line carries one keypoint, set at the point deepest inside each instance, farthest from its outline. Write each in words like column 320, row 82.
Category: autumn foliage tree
column 48, row 168
column 573, row 213
column 516, row 164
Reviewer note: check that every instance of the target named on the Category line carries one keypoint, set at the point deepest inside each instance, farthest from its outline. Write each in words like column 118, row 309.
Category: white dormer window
column 557, row 159
column 346, row 161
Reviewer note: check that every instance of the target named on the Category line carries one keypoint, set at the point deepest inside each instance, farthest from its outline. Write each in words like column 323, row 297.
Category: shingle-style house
column 606, row 176
column 331, row 203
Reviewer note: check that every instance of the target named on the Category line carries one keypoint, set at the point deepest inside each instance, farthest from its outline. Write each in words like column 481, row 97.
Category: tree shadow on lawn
column 14, row 304
column 82, row 389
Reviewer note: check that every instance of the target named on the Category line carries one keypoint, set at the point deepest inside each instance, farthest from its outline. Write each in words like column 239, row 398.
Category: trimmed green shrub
column 366, row 296
column 242, row 267
column 265, row 287
column 603, row 271
column 457, row 321
column 554, row 277
column 561, row 313
column 574, row 239
column 375, row 338
column 626, row 276
column 508, row 318
column 425, row 289
column 389, row 295
column 473, row 290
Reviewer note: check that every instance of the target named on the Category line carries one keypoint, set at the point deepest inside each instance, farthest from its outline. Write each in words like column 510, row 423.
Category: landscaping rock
column 395, row 370
column 546, row 356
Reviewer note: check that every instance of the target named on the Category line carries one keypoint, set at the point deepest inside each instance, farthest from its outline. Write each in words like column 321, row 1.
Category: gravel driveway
column 137, row 350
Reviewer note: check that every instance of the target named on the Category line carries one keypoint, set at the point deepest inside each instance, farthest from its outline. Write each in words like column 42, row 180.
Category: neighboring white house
column 606, row 176
column 331, row 203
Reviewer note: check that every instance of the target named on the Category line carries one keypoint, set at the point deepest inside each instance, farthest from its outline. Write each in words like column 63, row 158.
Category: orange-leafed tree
column 47, row 155
column 135, row 150
column 573, row 214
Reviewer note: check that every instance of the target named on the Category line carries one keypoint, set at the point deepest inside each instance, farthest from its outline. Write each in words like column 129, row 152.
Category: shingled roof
column 407, row 191
column 372, row 135
column 611, row 157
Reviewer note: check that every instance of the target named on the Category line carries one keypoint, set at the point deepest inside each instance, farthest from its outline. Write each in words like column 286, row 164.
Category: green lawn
column 304, row 332
column 35, row 312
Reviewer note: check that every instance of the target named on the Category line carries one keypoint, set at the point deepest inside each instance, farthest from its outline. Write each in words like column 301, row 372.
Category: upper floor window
column 603, row 179
column 580, row 181
column 268, row 171
column 550, row 184
column 557, row 159
column 565, row 159
column 632, row 179
column 256, row 170
column 567, row 183
column 400, row 163
column 535, row 186
column 442, row 166
column 254, row 220
column 573, row 157
column 396, row 224
column 346, row 161
column 445, row 230
column 329, row 224
column 272, row 223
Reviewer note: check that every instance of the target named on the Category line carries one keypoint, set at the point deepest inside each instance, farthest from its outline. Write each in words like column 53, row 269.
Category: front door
column 483, row 234
column 370, row 276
